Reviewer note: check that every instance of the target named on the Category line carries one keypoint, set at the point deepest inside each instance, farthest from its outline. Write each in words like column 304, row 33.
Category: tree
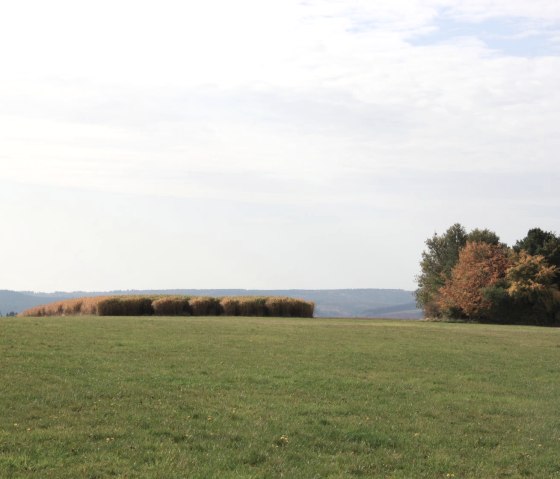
column 543, row 243
column 480, row 266
column 436, row 265
column 475, row 276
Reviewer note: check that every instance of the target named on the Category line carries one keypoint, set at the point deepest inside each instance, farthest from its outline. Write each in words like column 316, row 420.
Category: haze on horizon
column 266, row 145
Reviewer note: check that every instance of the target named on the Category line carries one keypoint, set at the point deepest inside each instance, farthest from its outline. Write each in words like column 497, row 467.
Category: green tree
column 437, row 262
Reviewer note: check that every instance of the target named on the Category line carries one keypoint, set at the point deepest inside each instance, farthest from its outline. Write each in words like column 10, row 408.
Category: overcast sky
column 269, row 144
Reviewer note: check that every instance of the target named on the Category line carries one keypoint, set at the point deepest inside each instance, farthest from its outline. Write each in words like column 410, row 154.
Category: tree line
column 475, row 277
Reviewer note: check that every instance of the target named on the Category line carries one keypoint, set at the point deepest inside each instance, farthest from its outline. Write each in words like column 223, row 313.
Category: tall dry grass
column 289, row 307
column 252, row 306
column 67, row 307
column 229, row 306
column 243, row 306
column 126, row 306
column 266, row 306
column 147, row 305
column 172, row 306
column 205, row 306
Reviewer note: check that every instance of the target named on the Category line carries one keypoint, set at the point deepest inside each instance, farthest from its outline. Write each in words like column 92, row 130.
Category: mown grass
column 149, row 397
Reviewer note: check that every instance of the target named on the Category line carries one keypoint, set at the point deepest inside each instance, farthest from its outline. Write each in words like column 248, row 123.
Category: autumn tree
column 439, row 259
column 480, row 266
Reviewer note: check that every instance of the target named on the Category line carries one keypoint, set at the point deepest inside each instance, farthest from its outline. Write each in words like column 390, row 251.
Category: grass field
column 96, row 397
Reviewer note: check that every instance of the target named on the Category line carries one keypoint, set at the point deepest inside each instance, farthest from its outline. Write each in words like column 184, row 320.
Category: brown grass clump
column 89, row 305
column 266, row 306
column 243, row 306
column 255, row 306
column 172, row 306
column 229, row 306
column 69, row 307
column 289, row 307
column 278, row 307
column 205, row 306
column 125, row 306
column 303, row 309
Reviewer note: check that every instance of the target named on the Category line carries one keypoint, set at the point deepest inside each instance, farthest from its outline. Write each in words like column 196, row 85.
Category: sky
column 273, row 144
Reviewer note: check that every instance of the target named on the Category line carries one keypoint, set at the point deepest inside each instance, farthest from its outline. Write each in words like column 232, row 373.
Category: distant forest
column 473, row 276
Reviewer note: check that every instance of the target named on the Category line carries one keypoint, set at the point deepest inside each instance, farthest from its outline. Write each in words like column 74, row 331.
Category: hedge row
column 177, row 306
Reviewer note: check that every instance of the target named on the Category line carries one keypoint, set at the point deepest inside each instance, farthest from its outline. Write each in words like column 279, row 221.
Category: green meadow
column 190, row 397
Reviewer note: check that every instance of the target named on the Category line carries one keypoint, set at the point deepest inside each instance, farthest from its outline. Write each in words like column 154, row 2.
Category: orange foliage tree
column 530, row 276
column 480, row 266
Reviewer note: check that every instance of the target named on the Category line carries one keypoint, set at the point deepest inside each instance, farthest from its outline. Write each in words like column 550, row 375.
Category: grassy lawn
column 96, row 397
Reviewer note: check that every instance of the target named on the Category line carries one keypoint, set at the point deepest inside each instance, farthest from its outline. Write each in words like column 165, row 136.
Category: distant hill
column 13, row 301
column 342, row 303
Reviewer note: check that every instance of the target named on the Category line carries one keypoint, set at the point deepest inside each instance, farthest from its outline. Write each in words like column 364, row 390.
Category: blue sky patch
column 511, row 36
